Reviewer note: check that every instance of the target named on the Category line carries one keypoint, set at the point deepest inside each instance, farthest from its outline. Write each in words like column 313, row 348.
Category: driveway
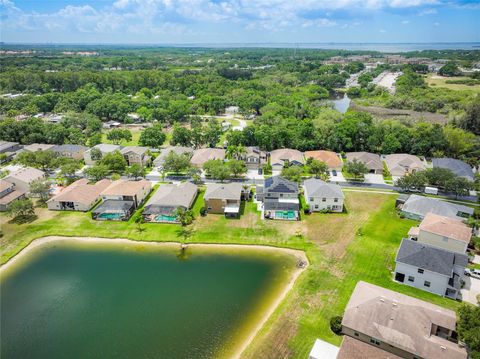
column 374, row 178
column 470, row 290
column 338, row 178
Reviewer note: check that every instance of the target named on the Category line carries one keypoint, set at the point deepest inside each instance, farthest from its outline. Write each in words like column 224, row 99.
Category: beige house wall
column 436, row 240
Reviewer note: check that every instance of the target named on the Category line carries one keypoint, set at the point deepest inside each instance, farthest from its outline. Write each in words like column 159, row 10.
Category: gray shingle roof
column 458, row 167
column 170, row 195
column 225, row 191
column 420, row 205
column 69, row 148
column 179, row 150
column 430, row 258
column 318, row 188
column 272, row 204
column 279, row 184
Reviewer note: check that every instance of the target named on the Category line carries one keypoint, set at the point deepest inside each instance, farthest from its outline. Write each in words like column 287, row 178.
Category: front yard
column 342, row 249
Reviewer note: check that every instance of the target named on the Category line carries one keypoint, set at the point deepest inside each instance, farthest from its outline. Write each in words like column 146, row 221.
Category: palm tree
column 235, row 152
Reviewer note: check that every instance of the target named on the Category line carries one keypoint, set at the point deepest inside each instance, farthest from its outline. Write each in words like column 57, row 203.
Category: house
column 254, row 158
column 231, row 110
column 111, row 124
column 430, row 268
column 224, row 198
column 9, row 150
column 120, row 199
column 126, row 190
column 34, row 147
column 167, row 199
column 202, row 155
column 322, row 196
column 394, row 325
column 459, row 168
column 136, row 155
column 8, row 194
column 280, row 198
column 23, row 178
column 179, row 150
column 285, row 157
column 79, row 196
column 371, row 160
column 103, row 148
column 71, row 151
column 417, row 207
column 333, row 161
column 400, row 164
column 442, row 232
column 323, row 350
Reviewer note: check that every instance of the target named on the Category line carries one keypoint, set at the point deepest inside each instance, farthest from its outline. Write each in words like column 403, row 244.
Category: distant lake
column 71, row 299
column 341, row 102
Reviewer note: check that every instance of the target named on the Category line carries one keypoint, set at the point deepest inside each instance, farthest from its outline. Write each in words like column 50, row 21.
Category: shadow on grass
column 23, row 219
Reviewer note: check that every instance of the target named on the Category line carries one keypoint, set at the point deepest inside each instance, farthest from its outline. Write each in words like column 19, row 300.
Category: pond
column 340, row 101
column 80, row 299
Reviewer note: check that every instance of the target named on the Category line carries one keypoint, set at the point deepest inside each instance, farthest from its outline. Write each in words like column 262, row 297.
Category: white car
column 474, row 273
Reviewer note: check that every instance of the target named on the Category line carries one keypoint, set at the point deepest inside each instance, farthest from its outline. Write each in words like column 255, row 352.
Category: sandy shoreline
column 241, row 348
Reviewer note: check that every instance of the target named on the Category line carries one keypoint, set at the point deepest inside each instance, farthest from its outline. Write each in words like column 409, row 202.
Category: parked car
column 474, row 273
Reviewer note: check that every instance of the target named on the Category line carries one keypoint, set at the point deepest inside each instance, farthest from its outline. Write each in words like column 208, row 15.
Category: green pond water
column 72, row 299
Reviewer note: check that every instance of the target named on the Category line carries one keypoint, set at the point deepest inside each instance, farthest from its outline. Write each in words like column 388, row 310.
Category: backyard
column 359, row 244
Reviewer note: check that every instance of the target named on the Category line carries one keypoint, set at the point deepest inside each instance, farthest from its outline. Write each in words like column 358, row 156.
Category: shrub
column 203, row 211
column 336, row 324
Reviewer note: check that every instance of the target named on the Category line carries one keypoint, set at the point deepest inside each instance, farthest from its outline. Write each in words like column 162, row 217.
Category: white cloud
column 383, row 31
column 405, row 22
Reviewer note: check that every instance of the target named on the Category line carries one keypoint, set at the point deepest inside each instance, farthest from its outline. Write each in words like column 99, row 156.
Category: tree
column 196, row 133
column 97, row 172
column 293, row 173
column 449, row 69
column 184, row 216
column 237, row 167
column 356, row 168
column 118, row 134
column 413, row 181
column 217, row 169
column 41, row 189
column 459, row 141
column 212, row 133
column 459, row 185
column 69, row 169
column 152, row 136
column 94, row 140
column 176, row 163
column 114, row 161
column 318, row 168
column 438, row 176
column 44, row 160
column 468, row 328
column 136, row 171
column 471, row 121
column 181, row 136
column 21, row 209
column 235, row 152
column 96, row 154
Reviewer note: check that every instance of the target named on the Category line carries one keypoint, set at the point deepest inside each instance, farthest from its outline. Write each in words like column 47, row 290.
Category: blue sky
column 238, row 21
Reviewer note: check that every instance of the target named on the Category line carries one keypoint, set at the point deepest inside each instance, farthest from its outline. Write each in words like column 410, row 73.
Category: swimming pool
column 111, row 216
column 164, row 218
column 285, row 215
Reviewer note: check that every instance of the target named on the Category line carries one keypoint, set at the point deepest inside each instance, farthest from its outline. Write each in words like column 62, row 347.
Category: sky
column 238, row 21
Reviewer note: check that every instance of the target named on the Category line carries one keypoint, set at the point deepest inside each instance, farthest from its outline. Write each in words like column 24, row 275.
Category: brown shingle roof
column 352, row 348
column 283, row 154
column 202, row 155
column 4, row 185
column 401, row 321
column 371, row 160
column 82, row 192
column 27, row 175
column 445, row 226
column 125, row 188
column 329, row 157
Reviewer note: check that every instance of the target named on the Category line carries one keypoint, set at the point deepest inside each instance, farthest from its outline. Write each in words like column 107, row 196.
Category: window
column 426, row 283
column 374, row 341
column 316, row 206
column 445, row 239
column 335, row 200
column 356, row 334
column 411, row 279
column 324, row 199
column 420, row 271
column 311, row 199
column 281, row 194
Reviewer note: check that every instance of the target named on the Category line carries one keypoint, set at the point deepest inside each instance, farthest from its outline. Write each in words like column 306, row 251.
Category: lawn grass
column 434, row 80
column 343, row 248
column 134, row 142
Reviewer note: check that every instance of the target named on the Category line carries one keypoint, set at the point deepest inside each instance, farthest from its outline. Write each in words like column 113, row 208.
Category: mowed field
column 434, row 80
column 359, row 244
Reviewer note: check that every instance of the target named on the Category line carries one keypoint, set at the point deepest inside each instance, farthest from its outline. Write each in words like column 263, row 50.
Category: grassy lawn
column 440, row 81
column 133, row 142
column 359, row 244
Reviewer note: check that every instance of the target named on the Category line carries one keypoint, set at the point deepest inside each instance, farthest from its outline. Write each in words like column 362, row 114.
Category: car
column 474, row 273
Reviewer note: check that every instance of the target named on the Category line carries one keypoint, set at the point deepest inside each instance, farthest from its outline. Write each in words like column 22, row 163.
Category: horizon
column 124, row 22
